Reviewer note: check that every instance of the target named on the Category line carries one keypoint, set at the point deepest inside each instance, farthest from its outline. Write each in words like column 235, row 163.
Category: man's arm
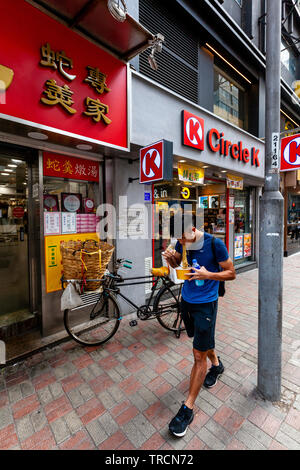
column 228, row 273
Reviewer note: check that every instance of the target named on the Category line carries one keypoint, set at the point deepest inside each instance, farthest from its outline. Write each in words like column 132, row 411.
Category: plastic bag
column 172, row 272
column 70, row 298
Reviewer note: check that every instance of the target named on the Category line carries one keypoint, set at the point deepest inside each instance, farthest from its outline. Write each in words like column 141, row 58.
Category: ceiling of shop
column 92, row 18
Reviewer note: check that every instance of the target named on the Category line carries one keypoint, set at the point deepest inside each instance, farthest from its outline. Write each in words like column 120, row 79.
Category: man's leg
column 197, row 376
column 211, row 354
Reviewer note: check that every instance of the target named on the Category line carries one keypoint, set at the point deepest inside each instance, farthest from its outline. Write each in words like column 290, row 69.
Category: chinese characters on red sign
column 61, row 82
column 62, row 95
column 62, row 166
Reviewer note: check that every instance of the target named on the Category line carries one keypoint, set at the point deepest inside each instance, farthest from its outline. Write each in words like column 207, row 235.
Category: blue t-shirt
column 202, row 252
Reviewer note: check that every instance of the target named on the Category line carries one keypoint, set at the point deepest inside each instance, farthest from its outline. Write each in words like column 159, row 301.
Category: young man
column 199, row 310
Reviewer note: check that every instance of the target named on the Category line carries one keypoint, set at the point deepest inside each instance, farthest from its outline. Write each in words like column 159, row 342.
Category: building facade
column 207, row 97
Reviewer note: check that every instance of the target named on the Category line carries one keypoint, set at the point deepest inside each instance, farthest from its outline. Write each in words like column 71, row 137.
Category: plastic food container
column 181, row 273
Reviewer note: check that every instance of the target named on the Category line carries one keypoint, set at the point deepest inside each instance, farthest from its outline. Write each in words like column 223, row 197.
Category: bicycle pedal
column 133, row 323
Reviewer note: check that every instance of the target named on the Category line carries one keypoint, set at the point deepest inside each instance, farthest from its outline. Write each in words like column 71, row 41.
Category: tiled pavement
column 122, row 395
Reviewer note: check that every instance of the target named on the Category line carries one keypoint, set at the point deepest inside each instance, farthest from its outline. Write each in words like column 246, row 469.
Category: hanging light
column 116, row 10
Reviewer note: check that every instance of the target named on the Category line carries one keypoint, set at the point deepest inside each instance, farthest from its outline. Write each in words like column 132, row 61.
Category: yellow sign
column 53, row 266
column 296, row 86
column 234, row 182
column 190, row 174
column 185, row 192
column 298, row 175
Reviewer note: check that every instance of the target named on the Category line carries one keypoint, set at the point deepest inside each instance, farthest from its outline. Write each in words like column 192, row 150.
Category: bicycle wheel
column 95, row 322
column 167, row 303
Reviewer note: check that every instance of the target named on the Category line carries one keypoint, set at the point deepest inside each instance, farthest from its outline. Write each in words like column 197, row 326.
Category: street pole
column 271, row 224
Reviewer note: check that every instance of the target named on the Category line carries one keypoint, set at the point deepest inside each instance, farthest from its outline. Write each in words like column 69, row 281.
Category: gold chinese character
column 97, row 110
column 97, row 79
column 68, row 167
column 48, row 57
column 64, row 61
column 58, row 95
column 56, row 60
column 53, row 165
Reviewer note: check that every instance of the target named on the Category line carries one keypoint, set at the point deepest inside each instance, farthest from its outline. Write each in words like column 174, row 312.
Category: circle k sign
column 156, row 162
column 290, row 153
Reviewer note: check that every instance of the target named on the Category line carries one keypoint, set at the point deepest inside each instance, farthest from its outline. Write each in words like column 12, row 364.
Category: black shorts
column 200, row 321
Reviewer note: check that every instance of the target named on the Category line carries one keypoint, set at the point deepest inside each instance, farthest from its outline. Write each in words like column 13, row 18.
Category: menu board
column 68, row 222
column 51, row 223
column 238, row 246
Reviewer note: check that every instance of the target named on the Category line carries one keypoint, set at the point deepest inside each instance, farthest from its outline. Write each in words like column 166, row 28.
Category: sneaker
column 178, row 425
column 213, row 375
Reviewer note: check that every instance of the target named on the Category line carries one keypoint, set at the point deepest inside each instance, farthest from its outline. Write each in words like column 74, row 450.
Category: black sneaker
column 178, row 425
column 213, row 375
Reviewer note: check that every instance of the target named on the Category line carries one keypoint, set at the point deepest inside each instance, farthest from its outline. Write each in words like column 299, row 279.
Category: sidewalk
column 123, row 395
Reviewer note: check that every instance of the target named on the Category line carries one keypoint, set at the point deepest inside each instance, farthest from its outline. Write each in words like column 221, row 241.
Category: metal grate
column 178, row 62
column 173, row 74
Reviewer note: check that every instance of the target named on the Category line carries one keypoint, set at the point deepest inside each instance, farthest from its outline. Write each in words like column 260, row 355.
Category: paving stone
column 96, row 432
column 38, row 419
column 73, row 422
column 27, row 389
column 249, row 441
column 60, row 430
column 210, row 439
column 218, row 431
column 64, row 370
column 24, row 428
column 287, row 441
column 134, row 435
column 108, row 424
column 257, row 433
column 45, row 395
column 5, row 416
column 15, row 394
column 75, row 397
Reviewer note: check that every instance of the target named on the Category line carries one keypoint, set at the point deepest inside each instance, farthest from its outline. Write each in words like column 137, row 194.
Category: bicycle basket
column 86, row 260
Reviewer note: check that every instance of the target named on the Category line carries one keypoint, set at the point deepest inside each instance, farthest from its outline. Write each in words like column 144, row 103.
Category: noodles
column 184, row 258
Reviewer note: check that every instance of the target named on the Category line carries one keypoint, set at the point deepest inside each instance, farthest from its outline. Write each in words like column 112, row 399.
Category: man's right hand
column 171, row 257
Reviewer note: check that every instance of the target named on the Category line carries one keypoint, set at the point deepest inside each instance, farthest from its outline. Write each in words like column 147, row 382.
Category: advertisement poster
column 213, row 202
column 231, row 202
column 189, row 173
column 231, row 216
column 68, row 222
column 238, row 247
column 51, row 223
column 203, row 202
column 234, row 182
column 247, row 244
column 222, row 201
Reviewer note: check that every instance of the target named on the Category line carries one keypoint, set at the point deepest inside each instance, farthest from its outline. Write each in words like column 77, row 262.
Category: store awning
column 93, row 19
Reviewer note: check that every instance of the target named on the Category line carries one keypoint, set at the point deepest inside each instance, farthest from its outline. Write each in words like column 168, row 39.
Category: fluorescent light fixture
column 5, row 174
column 223, row 171
column 205, row 166
column 230, row 65
column 289, row 117
column 16, row 161
column 84, row 147
column 181, row 161
column 12, row 165
column 8, row 169
column 37, row 135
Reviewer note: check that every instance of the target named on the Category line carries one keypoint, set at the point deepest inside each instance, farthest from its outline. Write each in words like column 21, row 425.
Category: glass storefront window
column 212, row 198
column 243, row 233
column 166, row 196
column 229, row 99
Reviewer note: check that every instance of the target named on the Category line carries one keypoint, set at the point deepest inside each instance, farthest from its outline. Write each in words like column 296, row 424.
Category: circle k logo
column 193, row 130
column 152, row 162
column 290, row 152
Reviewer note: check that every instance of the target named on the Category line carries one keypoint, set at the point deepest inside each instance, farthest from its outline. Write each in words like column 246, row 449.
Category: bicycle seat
column 160, row 272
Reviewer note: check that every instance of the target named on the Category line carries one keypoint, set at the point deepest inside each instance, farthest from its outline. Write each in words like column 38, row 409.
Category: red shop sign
column 156, row 162
column 74, row 168
column 18, row 212
column 56, row 80
column 290, row 153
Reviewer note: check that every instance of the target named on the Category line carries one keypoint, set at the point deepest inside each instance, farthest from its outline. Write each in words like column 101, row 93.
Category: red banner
column 61, row 166
column 58, row 80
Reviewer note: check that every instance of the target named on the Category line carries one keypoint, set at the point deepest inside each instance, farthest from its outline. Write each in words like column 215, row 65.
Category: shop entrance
column 17, row 303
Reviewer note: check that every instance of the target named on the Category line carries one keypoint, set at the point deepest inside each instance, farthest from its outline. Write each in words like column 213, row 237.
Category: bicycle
column 98, row 319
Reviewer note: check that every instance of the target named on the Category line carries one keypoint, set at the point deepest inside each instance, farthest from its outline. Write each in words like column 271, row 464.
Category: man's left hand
column 199, row 274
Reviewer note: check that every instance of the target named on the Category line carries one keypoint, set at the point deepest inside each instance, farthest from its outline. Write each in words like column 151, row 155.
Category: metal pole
column 271, row 225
